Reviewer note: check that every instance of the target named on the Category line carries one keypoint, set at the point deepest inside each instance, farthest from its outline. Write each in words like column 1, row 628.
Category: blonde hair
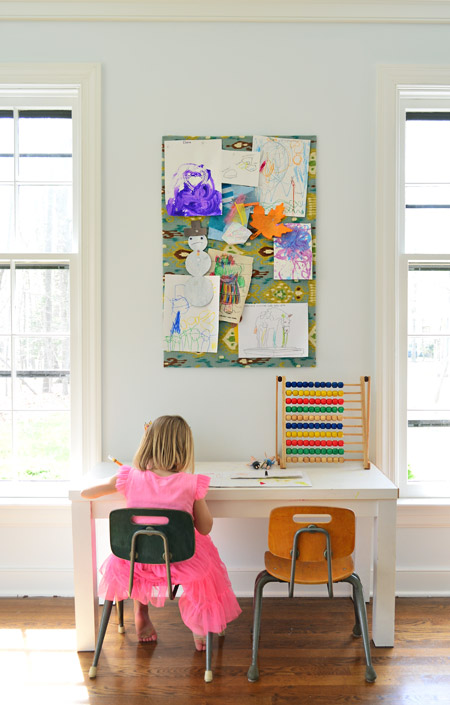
column 167, row 444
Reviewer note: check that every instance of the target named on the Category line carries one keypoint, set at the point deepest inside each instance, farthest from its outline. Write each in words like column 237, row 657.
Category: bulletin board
column 264, row 289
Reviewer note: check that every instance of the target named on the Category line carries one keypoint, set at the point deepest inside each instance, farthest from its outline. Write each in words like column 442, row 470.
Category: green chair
column 169, row 538
column 310, row 546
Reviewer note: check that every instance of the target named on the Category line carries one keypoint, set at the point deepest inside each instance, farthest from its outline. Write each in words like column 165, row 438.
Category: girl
column 162, row 477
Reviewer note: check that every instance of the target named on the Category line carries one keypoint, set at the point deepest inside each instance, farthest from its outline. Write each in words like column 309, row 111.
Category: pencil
column 114, row 460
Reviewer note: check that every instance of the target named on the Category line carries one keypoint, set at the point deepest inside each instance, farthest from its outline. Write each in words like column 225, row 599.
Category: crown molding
column 366, row 11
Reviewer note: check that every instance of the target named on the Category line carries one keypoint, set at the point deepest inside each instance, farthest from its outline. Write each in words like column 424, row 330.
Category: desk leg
column 85, row 575
column 363, row 553
column 383, row 616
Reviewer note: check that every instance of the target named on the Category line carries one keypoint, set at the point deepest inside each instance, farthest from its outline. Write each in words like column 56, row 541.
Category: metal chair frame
column 360, row 628
column 124, row 531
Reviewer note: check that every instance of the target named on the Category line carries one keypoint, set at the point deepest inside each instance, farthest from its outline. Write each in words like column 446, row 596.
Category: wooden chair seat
column 308, row 573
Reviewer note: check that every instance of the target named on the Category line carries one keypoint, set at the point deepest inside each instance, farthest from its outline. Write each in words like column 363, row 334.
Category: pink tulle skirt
column 208, row 602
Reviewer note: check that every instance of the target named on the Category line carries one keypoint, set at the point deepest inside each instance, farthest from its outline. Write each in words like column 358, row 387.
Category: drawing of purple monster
column 194, row 192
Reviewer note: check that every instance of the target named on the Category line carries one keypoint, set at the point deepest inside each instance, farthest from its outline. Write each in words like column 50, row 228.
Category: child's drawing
column 235, row 273
column 292, row 258
column 236, row 234
column 233, row 209
column 240, row 168
column 283, row 177
column 192, row 177
column 274, row 330
column 188, row 328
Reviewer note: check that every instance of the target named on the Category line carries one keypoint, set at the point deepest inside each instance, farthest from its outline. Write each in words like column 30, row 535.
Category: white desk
column 368, row 493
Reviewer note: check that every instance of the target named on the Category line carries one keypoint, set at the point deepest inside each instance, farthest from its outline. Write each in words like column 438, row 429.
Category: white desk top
column 335, row 480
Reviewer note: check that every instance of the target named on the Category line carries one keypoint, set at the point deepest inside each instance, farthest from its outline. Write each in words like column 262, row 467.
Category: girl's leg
column 200, row 642
column 144, row 628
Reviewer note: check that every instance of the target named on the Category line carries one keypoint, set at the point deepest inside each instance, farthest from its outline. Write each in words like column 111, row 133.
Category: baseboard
column 49, row 583
column 424, row 583
column 36, row 583
column 409, row 583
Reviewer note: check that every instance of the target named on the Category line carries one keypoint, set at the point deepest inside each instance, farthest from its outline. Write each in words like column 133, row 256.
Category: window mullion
column 13, row 365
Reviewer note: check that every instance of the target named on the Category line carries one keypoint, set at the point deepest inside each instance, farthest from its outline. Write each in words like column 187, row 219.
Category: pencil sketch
column 240, row 168
column 274, row 330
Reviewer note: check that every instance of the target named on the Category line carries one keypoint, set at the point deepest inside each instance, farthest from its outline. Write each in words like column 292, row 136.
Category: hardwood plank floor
column 307, row 656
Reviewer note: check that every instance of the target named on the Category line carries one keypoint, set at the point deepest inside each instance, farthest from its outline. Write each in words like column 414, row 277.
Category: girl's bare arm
column 203, row 520
column 106, row 487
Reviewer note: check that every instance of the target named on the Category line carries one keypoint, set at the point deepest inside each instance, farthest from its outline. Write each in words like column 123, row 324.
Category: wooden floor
column 307, row 656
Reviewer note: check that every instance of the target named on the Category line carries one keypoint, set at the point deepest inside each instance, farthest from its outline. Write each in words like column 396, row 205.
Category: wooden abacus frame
column 352, row 421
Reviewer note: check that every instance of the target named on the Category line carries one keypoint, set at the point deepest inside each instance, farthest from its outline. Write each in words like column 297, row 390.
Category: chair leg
column 360, row 611
column 119, row 606
column 357, row 627
column 208, row 654
column 262, row 579
column 107, row 607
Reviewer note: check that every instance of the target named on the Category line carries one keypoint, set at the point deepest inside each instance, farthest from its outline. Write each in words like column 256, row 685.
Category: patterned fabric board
column 263, row 287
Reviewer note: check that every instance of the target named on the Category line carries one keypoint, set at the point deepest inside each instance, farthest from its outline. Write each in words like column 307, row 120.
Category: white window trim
column 86, row 348
column 389, row 380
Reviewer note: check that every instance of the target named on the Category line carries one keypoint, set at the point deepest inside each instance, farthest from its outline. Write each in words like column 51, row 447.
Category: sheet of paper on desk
column 255, row 478
column 261, row 474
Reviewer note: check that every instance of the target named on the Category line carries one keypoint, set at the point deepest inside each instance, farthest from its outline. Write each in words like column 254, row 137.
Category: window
column 414, row 280
column 49, row 297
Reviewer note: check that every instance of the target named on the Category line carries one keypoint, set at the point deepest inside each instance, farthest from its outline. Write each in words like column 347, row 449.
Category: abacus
column 323, row 422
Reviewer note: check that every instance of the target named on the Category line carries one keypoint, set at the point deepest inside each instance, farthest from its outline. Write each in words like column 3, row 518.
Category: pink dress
column 208, row 602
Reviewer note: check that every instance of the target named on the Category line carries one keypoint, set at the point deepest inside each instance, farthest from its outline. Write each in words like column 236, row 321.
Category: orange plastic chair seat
column 308, row 572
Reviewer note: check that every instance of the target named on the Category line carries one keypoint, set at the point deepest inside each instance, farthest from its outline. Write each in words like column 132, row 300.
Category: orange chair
column 311, row 546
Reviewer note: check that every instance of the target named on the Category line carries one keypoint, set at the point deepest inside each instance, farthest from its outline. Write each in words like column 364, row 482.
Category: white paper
column 274, row 330
column 236, row 234
column 193, row 181
column 283, row 177
column 290, row 479
column 260, row 473
column 292, row 253
column 189, row 328
column 240, row 167
column 239, row 268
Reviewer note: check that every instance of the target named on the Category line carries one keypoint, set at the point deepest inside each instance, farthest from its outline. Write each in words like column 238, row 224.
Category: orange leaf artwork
column 268, row 225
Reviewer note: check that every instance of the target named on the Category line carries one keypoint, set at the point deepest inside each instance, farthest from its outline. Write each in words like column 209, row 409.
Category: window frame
column 85, row 284
column 400, row 88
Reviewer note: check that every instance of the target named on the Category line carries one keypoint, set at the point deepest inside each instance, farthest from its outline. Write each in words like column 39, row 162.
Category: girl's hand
column 203, row 520
column 106, row 487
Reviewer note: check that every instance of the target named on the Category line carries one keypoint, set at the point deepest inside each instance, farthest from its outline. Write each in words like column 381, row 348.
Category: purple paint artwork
column 293, row 253
column 194, row 192
column 192, row 173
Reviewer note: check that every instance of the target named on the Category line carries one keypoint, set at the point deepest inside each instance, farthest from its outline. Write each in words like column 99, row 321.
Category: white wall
column 225, row 79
